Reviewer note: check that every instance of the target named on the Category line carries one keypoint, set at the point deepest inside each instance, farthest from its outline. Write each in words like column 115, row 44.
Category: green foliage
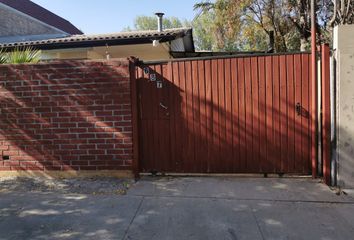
column 252, row 38
column 2, row 57
column 224, row 29
column 202, row 27
column 142, row 23
column 204, row 6
column 250, row 22
column 293, row 41
column 245, row 25
column 228, row 24
column 20, row 55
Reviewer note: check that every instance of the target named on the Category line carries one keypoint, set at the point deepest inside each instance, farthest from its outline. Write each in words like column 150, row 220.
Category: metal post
column 333, row 88
column 314, row 152
column 326, row 115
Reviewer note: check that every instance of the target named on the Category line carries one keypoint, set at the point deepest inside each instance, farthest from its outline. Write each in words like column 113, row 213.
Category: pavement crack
column 133, row 218
column 257, row 223
column 232, row 234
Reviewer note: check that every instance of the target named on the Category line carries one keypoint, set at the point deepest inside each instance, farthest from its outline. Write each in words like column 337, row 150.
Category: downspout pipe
column 314, row 139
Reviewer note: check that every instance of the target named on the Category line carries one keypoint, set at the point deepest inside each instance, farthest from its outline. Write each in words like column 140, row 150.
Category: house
column 24, row 23
column 23, row 20
column 145, row 45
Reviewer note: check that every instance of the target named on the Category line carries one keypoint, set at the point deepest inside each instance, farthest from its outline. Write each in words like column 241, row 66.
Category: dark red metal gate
column 246, row 114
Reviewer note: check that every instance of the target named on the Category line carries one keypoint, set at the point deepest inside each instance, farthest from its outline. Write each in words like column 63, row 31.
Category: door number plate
column 146, row 70
column 153, row 77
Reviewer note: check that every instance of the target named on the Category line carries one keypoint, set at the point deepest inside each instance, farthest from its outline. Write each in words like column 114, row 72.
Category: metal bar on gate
column 135, row 114
column 326, row 114
column 314, row 108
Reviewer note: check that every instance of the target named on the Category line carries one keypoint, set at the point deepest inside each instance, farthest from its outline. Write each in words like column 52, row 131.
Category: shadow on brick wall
column 73, row 115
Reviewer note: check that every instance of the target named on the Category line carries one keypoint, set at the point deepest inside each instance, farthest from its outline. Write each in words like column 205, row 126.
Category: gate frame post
column 314, row 100
column 314, row 112
column 314, row 89
column 135, row 115
column 326, row 113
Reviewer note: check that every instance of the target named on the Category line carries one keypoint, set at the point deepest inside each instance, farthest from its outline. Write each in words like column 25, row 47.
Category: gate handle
column 298, row 108
column 163, row 106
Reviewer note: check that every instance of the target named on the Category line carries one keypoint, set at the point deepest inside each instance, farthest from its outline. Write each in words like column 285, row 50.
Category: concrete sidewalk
column 184, row 208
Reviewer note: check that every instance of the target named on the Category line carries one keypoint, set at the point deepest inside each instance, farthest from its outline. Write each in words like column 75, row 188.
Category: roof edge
column 123, row 38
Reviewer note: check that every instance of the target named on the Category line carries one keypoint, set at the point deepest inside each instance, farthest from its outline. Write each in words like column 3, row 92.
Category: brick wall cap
column 113, row 62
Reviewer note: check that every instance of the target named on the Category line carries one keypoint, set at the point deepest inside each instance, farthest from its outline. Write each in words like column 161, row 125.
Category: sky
column 106, row 16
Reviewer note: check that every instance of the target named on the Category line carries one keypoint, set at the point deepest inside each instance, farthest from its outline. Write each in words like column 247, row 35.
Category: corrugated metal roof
column 176, row 32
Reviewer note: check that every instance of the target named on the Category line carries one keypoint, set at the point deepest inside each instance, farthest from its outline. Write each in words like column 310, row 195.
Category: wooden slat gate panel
column 226, row 115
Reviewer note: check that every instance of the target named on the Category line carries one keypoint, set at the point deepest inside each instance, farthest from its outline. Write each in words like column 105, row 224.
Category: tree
column 142, row 23
column 202, row 26
column 343, row 12
column 20, row 55
column 252, row 37
column 226, row 23
column 269, row 15
column 248, row 22
column 289, row 20
column 203, row 40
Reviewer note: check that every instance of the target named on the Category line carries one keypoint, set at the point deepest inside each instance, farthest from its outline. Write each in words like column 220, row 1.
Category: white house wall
column 344, row 57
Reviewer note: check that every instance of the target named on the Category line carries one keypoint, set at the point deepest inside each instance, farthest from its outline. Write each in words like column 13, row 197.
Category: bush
column 20, row 55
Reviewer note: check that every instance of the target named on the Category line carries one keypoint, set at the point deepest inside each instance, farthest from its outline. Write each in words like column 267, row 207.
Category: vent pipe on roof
column 159, row 21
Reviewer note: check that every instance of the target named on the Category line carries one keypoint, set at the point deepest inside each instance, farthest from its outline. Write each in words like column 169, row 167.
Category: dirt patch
column 95, row 186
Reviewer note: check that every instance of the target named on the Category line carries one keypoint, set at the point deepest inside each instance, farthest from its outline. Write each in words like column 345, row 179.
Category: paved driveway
column 183, row 208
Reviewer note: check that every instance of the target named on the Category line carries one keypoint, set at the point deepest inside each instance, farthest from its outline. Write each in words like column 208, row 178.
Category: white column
column 343, row 47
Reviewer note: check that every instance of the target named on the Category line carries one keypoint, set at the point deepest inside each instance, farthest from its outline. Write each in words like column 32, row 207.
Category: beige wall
column 142, row 51
column 344, row 57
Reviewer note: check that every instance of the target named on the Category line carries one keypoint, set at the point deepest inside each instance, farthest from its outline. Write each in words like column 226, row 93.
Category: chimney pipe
column 159, row 21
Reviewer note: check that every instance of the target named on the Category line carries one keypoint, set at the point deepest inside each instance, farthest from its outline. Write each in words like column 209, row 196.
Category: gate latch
column 298, row 108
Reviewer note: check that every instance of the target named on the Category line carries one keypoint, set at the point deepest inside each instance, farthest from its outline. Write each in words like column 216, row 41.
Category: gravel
column 94, row 185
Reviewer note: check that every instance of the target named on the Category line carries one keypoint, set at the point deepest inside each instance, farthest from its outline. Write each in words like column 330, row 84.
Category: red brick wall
column 72, row 115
